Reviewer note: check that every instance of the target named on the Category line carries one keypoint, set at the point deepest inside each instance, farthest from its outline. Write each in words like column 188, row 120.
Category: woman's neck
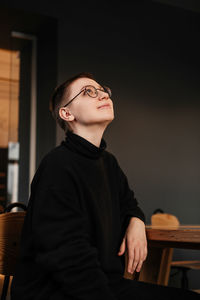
column 93, row 135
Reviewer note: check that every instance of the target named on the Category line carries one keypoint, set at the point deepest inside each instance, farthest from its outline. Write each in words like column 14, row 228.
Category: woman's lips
column 104, row 106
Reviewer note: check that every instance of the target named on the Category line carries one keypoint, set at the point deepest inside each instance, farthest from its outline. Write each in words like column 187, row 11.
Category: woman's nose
column 103, row 95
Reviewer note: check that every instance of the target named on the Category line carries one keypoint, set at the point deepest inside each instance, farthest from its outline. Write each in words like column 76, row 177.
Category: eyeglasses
column 91, row 91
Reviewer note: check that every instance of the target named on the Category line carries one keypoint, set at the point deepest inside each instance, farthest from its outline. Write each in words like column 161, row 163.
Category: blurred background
column 147, row 52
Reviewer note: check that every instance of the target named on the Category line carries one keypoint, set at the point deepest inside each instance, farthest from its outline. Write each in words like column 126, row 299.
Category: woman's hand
column 136, row 243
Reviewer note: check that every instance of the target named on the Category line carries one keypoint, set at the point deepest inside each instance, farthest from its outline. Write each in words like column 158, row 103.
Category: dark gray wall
column 149, row 55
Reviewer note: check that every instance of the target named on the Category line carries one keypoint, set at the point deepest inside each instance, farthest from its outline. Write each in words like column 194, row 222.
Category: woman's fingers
column 136, row 257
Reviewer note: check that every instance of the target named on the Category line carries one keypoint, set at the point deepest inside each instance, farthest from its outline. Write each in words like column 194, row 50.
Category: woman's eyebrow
column 98, row 87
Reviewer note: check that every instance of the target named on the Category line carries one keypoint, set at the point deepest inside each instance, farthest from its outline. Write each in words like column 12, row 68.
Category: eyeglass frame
column 96, row 89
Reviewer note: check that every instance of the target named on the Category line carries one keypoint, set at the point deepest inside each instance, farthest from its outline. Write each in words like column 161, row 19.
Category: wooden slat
column 185, row 262
column 9, row 90
column 191, row 264
column 7, row 59
column 9, row 96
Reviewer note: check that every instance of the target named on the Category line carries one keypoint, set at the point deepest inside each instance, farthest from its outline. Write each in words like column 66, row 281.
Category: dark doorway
column 45, row 30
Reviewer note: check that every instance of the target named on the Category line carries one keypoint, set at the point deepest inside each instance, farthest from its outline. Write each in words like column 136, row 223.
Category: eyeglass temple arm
column 73, row 98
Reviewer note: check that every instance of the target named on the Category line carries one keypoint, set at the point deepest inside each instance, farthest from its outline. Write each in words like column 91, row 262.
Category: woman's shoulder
column 54, row 167
column 56, row 155
column 110, row 157
column 56, row 159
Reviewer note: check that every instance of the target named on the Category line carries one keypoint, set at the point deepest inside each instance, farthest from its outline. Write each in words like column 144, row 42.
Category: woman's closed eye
column 85, row 91
column 88, row 90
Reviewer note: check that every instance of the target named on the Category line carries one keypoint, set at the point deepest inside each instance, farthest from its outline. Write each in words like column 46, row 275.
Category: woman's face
column 88, row 110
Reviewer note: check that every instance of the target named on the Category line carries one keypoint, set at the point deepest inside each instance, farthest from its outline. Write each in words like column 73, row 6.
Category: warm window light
column 9, row 96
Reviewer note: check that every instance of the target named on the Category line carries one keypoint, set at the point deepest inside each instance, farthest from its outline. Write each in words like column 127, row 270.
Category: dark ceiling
column 193, row 5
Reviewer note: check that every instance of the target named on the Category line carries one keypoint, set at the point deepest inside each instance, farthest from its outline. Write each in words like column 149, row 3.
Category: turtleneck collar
column 80, row 145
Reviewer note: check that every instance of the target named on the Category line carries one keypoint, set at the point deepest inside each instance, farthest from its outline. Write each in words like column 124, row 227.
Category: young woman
column 82, row 215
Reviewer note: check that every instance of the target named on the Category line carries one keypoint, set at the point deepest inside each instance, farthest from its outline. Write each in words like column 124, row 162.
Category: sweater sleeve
column 62, row 243
column 128, row 203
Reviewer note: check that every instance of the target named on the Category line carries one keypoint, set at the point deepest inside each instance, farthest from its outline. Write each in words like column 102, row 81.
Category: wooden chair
column 159, row 218
column 10, row 231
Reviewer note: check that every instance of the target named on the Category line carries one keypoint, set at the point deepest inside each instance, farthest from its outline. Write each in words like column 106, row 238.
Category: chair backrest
column 163, row 219
column 10, row 231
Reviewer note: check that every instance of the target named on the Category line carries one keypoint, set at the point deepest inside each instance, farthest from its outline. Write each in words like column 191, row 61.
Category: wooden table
column 161, row 241
column 182, row 236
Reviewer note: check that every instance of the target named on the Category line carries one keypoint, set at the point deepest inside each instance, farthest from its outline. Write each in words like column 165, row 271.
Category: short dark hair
column 57, row 97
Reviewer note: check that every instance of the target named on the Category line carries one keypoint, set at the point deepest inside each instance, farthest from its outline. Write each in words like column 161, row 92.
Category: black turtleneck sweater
column 78, row 211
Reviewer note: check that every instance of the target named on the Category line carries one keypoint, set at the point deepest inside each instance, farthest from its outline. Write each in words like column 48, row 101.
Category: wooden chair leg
column 151, row 266
column 5, row 287
column 156, row 268
column 165, row 266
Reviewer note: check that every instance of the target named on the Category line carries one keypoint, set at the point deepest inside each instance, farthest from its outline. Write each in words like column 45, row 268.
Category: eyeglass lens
column 93, row 92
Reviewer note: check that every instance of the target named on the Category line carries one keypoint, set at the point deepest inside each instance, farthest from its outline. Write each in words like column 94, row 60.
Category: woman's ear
column 65, row 114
